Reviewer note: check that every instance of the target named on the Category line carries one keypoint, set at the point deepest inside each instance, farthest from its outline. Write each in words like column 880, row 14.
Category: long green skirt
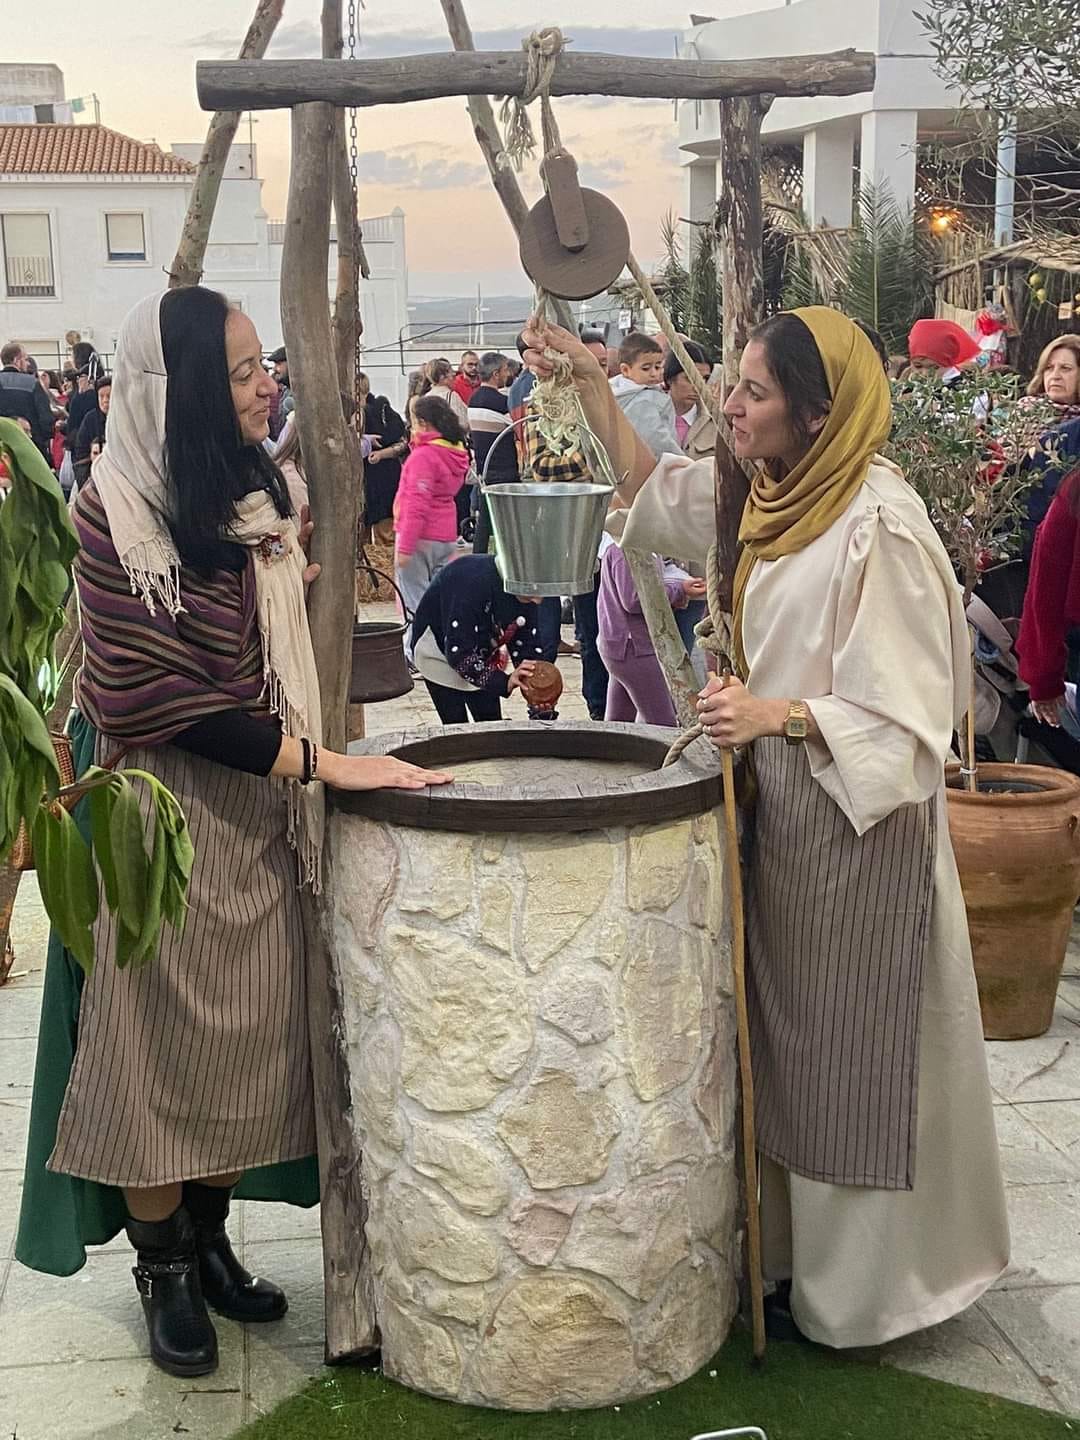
column 61, row 1214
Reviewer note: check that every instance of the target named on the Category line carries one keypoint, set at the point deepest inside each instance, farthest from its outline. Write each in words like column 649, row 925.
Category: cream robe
column 866, row 624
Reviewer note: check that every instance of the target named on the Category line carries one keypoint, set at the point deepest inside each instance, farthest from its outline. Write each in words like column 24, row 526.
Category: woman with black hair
column 883, row 1209
column 382, row 467
column 199, row 669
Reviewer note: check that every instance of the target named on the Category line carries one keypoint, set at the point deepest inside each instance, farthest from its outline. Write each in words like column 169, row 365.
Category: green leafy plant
column 972, row 451
column 142, row 887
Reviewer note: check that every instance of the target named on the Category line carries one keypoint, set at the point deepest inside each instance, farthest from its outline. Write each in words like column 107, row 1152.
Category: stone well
column 541, row 1041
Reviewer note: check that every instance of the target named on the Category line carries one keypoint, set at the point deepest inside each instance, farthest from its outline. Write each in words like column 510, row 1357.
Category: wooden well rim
column 692, row 786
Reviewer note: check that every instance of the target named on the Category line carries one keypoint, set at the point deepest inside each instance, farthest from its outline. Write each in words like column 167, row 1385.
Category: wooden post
column 330, row 456
column 739, row 223
column 187, row 266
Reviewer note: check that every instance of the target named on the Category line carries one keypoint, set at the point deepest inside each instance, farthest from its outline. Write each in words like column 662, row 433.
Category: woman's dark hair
column 53, row 379
column 673, row 366
column 208, row 466
column 81, row 353
column 101, row 382
column 437, row 413
column 795, row 364
column 876, row 341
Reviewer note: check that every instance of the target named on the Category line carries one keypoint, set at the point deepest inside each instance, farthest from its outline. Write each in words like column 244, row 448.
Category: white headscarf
column 130, row 479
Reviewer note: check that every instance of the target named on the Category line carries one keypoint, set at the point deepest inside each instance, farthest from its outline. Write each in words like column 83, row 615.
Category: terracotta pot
column 1017, row 844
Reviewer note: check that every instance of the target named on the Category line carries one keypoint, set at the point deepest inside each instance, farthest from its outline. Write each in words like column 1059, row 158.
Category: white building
column 89, row 223
column 876, row 131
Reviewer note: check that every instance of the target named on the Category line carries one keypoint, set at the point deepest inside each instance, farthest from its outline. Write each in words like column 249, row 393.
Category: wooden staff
column 746, row 1074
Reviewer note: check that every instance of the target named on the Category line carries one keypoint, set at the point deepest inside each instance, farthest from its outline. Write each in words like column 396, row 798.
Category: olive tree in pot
column 135, row 857
column 1015, row 829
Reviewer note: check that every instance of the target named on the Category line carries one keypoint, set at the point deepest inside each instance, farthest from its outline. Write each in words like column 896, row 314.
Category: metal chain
column 355, row 220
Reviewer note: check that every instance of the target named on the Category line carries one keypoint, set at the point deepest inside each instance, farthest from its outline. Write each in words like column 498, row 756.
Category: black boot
column 182, row 1338
column 228, row 1287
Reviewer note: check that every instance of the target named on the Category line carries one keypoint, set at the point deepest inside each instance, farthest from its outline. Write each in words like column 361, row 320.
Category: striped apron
column 198, row 1063
column 837, row 930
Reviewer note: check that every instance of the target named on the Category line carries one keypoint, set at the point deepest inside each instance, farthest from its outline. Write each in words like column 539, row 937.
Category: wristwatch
column 797, row 724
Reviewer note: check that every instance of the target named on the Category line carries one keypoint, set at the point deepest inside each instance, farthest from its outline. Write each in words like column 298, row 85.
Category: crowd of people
column 160, row 1093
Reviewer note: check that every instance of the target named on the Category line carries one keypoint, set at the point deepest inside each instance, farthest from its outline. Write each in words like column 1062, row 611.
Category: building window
column 124, row 237
column 28, row 258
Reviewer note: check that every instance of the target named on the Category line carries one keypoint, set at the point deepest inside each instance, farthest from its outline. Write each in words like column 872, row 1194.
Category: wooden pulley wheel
column 577, row 274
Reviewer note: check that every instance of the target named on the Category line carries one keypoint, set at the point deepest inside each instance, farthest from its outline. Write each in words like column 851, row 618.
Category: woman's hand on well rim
column 376, row 772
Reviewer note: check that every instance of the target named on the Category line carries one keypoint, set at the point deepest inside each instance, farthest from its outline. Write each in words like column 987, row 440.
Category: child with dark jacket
column 474, row 644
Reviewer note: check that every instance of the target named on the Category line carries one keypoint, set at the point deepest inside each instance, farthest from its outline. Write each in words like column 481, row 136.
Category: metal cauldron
column 547, row 534
column 379, row 668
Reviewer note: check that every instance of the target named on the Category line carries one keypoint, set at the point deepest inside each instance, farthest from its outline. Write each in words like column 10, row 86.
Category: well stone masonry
column 541, row 1045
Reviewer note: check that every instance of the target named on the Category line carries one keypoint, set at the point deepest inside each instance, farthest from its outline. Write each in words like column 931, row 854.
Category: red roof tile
column 82, row 150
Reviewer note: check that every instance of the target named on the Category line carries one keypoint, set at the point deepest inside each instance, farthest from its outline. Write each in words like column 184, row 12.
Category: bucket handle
column 365, row 564
column 502, row 436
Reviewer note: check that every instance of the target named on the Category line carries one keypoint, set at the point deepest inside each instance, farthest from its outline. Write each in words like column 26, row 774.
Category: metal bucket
column 379, row 668
column 547, row 535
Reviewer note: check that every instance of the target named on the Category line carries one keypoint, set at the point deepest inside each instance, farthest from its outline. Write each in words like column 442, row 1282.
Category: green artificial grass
column 800, row 1394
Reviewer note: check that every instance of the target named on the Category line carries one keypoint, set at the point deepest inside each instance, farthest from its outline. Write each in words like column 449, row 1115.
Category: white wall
column 889, row 29
column 93, row 294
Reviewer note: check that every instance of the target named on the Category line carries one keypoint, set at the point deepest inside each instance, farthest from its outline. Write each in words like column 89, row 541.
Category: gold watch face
column 797, row 728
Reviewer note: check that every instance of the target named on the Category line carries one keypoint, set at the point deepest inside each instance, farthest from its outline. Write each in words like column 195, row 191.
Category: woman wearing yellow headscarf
column 883, row 1209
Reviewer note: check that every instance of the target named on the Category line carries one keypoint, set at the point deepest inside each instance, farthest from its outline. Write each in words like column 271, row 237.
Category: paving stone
column 17, row 1076
column 275, row 1373
column 11, row 1183
column 1059, row 1121
column 1043, row 1069
column 1045, row 1225
column 1028, row 1157
column 968, row 1351
column 14, row 1122
column 121, row 1399
column 1044, row 1325
column 295, row 1265
column 19, row 1012
column 269, row 1220
column 94, row 1314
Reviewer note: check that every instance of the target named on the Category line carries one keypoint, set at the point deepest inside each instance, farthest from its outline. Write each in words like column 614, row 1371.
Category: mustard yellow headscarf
column 784, row 516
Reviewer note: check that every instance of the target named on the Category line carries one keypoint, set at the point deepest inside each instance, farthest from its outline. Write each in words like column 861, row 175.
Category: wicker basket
column 22, row 854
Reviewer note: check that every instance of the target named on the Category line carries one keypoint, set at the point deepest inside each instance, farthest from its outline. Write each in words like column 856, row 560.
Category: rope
column 542, row 50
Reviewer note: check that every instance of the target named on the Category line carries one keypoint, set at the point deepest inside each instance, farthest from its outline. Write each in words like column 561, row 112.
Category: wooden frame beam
column 280, row 84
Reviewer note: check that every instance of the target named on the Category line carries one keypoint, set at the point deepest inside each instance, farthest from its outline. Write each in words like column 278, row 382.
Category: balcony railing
column 30, row 275
column 376, row 230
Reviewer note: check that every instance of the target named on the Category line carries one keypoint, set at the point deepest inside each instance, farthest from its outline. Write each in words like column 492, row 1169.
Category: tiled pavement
column 73, row 1352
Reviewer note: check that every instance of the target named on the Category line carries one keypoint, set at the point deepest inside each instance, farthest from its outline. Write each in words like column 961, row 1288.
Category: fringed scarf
column 145, row 682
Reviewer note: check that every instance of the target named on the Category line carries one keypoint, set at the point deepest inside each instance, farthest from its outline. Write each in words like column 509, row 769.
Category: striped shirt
column 489, row 417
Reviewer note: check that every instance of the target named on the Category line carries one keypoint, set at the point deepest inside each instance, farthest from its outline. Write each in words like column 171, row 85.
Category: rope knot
column 542, row 50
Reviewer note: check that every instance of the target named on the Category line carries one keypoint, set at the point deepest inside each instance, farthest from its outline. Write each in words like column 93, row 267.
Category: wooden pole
column 740, row 229
column 489, row 139
column 279, row 84
column 187, row 266
column 739, row 224
column 331, row 458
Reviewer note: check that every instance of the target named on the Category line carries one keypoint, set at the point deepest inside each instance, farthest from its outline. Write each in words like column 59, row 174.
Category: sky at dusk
column 139, row 58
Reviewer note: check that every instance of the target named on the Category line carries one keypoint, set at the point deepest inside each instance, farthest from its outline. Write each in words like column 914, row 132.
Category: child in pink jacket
column 425, row 511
